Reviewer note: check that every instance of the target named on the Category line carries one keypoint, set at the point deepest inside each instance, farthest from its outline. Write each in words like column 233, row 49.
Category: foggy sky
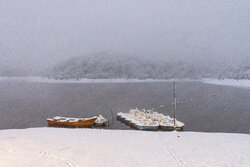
column 37, row 34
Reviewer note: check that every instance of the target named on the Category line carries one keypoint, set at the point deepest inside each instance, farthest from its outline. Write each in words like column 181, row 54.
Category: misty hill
column 232, row 70
column 241, row 72
column 107, row 66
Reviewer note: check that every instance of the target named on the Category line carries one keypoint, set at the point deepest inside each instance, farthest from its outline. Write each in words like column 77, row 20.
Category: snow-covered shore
column 83, row 80
column 225, row 82
column 228, row 82
column 90, row 147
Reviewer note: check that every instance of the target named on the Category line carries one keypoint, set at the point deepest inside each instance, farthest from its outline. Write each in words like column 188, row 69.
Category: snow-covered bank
column 85, row 80
column 225, row 82
column 89, row 147
column 228, row 82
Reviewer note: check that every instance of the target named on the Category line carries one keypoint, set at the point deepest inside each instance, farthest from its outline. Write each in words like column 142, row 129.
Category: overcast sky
column 37, row 33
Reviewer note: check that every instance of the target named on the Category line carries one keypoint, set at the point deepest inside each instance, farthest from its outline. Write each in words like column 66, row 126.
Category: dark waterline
column 202, row 107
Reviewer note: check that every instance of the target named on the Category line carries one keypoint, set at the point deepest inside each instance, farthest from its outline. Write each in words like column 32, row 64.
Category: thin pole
column 174, row 104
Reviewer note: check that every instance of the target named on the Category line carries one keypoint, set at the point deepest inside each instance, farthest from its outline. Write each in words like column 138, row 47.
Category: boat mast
column 174, row 104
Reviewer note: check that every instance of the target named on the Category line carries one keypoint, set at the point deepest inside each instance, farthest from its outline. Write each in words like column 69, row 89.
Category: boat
column 128, row 120
column 71, row 122
column 166, row 123
column 167, row 126
column 179, row 126
column 119, row 116
column 100, row 121
column 132, row 124
column 123, row 117
column 148, row 126
column 149, row 120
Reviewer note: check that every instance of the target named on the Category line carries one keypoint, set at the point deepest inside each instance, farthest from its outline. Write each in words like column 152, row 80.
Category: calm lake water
column 202, row 107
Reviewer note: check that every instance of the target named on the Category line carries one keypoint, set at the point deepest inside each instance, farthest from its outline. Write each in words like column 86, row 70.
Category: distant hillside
column 240, row 70
column 110, row 66
column 104, row 66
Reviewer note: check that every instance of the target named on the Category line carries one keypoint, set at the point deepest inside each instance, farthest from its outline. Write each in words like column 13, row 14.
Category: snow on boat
column 127, row 122
column 71, row 122
column 100, row 121
column 128, row 119
column 123, row 117
column 166, row 123
column 179, row 126
column 149, row 120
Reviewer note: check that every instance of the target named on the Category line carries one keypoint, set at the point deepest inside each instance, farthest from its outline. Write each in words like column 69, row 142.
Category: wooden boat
column 71, row 122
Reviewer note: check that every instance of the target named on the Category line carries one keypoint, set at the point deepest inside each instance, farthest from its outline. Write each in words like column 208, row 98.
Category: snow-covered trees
column 108, row 66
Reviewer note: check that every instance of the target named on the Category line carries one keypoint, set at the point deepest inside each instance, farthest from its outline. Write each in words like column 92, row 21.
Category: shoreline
column 85, row 80
column 245, row 83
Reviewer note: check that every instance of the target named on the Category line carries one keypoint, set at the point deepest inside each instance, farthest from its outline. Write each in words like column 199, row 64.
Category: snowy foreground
column 89, row 147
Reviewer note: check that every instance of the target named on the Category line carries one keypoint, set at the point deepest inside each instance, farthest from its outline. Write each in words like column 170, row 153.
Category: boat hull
column 80, row 124
column 132, row 125
column 127, row 122
column 100, row 124
column 167, row 128
column 122, row 120
column 179, row 128
column 147, row 128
